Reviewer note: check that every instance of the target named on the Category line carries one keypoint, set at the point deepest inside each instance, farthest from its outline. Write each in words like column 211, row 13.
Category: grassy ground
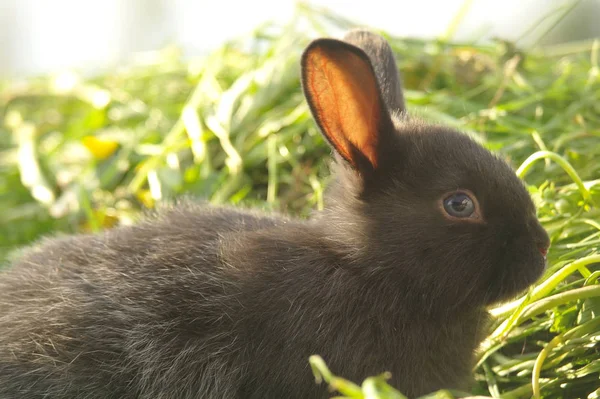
column 83, row 154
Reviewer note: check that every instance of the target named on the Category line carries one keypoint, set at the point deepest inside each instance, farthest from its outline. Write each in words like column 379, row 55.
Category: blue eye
column 459, row 205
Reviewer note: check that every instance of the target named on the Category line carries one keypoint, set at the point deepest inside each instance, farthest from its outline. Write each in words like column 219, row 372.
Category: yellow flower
column 100, row 148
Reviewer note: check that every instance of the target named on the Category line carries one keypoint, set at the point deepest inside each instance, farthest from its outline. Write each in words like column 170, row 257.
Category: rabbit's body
column 184, row 306
column 423, row 228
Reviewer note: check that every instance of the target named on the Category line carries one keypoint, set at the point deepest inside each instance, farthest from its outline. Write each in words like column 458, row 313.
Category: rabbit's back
column 110, row 315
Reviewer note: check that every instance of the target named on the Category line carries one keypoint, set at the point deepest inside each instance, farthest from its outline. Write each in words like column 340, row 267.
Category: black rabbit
column 423, row 228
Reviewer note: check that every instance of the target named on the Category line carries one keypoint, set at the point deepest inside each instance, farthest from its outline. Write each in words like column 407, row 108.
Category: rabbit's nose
column 541, row 239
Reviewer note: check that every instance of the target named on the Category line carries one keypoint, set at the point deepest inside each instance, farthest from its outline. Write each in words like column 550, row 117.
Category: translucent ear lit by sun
column 345, row 98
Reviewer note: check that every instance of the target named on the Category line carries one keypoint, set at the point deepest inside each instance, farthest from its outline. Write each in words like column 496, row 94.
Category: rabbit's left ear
column 344, row 97
column 382, row 58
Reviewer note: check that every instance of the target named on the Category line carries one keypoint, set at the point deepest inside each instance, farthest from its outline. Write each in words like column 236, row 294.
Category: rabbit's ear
column 343, row 94
column 384, row 64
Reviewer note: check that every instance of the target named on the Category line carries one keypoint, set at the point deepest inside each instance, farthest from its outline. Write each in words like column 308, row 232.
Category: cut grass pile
column 83, row 154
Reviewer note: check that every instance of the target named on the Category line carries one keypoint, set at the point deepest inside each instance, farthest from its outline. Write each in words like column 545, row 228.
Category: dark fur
column 206, row 302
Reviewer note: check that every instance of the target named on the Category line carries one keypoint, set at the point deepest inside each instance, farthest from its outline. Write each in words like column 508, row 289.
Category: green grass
column 83, row 154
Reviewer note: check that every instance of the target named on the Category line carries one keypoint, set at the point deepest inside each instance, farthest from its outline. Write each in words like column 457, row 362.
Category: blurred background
column 40, row 36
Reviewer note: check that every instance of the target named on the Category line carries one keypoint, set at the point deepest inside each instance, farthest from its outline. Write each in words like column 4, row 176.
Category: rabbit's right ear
column 344, row 97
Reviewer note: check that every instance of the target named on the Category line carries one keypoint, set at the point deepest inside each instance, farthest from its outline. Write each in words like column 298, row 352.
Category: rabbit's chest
column 422, row 357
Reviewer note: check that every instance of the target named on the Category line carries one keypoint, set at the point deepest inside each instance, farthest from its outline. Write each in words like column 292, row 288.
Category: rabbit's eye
column 459, row 205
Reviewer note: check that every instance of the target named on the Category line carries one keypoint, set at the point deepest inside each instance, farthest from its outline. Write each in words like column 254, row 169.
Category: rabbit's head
column 416, row 202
